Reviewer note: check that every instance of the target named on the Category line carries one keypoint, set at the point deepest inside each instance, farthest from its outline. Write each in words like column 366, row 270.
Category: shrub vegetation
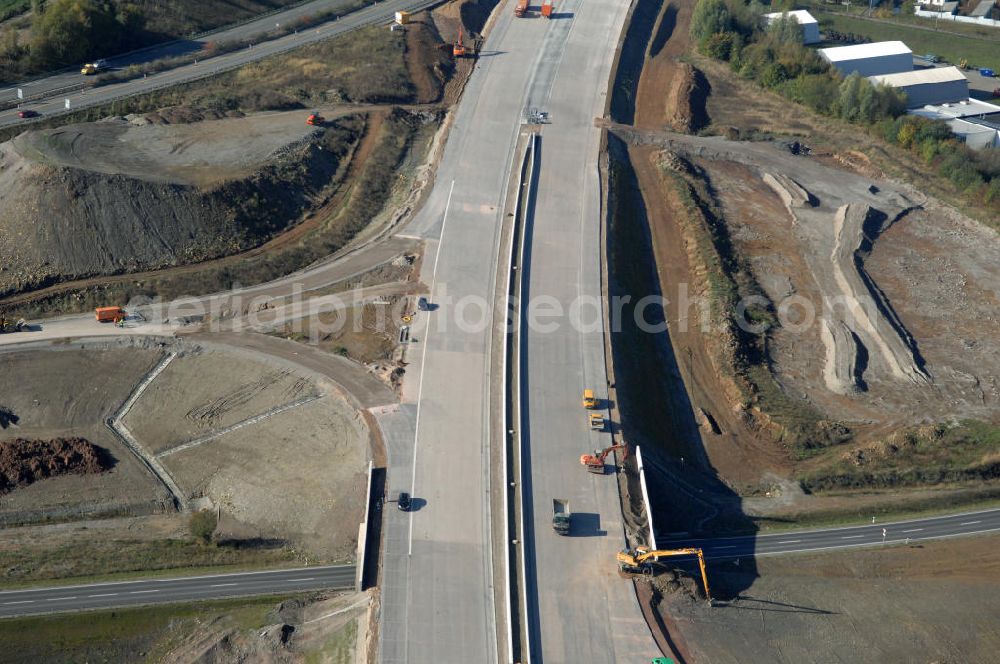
column 774, row 56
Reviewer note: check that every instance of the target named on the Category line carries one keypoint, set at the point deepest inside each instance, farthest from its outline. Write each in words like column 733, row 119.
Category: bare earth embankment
column 875, row 368
column 829, row 354
column 934, row 602
column 276, row 451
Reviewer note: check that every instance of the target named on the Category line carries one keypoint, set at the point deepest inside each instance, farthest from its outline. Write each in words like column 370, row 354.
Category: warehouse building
column 810, row 26
column 975, row 122
column 937, row 85
column 889, row 57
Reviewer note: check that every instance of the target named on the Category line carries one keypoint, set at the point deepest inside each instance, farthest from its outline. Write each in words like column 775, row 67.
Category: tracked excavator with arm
column 595, row 462
column 641, row 559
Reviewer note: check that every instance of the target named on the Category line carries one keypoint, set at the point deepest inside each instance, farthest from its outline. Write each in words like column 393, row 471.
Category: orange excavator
column 316, row 120
column 641, row 559
column 458, row 49
column 595, row 462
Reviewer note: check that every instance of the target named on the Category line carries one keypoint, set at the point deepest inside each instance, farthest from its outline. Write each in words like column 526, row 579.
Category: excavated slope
column 110, row 197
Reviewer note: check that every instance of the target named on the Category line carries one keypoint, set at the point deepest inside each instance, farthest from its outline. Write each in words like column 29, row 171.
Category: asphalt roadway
column 182, row 589
column 53, row 102
column 872, row 534
column 257, row 28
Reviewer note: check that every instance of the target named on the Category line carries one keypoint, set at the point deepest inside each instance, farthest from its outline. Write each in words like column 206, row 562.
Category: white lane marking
column 851, row 536
column 306, row 579
column 731, row 546
column 992, row 511
column 423, row 362
column 23, row 601
column 140, row 592
column 789, row 541
column 222, row 585
column 969, row 523
column 913, row 530
column 103, row 595
column 59, row 599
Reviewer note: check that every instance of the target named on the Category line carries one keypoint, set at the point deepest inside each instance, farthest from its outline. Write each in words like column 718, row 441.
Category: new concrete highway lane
column 581, row 611
column 437, row 595
column 870, row 534
column 380, row 12
column 161, row 591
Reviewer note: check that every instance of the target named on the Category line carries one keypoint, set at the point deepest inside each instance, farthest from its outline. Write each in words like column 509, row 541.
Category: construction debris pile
column 24, row 462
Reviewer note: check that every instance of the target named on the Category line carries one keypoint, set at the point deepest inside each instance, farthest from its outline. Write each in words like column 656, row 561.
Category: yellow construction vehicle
column 641, row 559
column 10, row 325
column 596, row 421
column 588, row 399
column 963, row 63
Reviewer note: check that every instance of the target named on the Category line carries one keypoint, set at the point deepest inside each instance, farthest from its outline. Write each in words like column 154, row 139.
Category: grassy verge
column 124, row 635
column 101, row 559
column 949, row 42
column 927, row 455
column 363, row 66
column 339, row 647
column 11, row 8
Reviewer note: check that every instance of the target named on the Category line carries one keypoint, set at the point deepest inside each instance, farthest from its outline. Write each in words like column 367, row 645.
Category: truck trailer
column 560, row 516
column 109, row 314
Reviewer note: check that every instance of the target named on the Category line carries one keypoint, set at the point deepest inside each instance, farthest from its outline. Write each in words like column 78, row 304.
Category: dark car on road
column 28, row 113
column 403, row 502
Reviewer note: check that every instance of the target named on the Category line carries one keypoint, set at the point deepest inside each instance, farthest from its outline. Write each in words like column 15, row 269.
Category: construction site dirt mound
column 24, row 462
column 686, row 99
column 427, row 59
column 112, row 197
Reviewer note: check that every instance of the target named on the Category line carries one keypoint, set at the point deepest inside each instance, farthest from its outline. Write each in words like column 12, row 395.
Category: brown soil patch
column 934, row 602
column 738, row 453
column 671, row 93
column 24, row 462
column 429, row 65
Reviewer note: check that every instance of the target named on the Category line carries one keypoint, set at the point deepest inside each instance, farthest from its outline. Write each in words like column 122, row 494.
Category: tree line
column 772, row 54
column 68, row 32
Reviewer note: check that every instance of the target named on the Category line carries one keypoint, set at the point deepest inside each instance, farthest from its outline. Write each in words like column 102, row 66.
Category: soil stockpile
column 112, row 197
column 24, row 462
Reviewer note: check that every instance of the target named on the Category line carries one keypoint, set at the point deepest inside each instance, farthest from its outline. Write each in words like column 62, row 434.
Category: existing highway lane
column 53, row 102
column 166, row 590
column 869, row 534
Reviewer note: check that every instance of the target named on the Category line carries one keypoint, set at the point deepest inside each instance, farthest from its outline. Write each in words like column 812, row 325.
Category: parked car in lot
column 403, row 502
column 28, row 113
